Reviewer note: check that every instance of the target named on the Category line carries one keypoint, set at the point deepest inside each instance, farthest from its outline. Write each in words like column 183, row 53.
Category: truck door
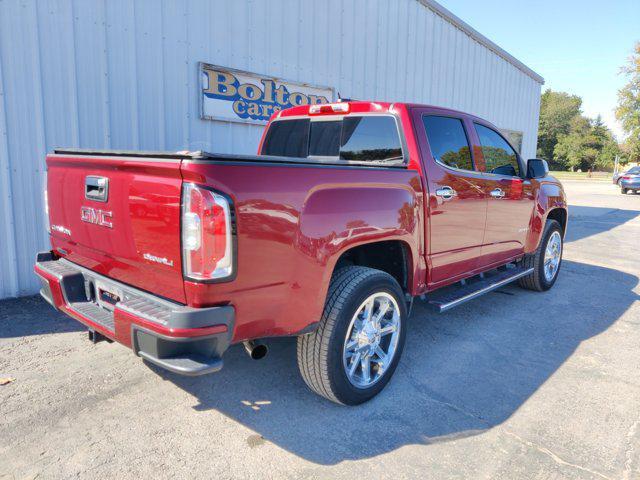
column 510, row 197
column 457, row 204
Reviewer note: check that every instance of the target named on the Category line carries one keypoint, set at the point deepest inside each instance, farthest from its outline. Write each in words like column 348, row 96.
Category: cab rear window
column 352, row 138
column 287, row 139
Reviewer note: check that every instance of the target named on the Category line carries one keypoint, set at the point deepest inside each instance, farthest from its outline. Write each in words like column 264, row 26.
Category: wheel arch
column 560, row 215
column 391, row 256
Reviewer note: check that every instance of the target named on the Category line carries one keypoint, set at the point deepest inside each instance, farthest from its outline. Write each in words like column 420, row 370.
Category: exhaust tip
column 256, row 350
column 259, row 351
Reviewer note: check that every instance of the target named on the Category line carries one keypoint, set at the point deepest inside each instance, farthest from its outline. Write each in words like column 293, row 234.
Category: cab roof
column 353, row 107
column 363, row 107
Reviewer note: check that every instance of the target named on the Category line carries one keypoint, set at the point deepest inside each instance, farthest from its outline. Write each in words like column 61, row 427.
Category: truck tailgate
column 120, row 217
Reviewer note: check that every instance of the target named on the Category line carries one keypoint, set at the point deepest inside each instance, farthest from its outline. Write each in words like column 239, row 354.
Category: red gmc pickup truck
column 348, row 212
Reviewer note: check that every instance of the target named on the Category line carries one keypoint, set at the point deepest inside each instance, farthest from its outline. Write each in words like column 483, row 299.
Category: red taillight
column 627, row 177
column 46, row 204
column 207, row 252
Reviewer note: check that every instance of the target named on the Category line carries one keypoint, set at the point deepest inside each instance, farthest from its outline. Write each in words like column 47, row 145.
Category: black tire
column 537, row 280
column 623, row 191
column 320, row 354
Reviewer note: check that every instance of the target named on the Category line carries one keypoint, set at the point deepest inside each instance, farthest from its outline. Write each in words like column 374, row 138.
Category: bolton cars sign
column 235, row 96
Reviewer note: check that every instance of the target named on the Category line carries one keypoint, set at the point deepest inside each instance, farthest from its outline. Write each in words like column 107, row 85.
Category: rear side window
column 499, row 157
column 448, row 141
column 353, row 138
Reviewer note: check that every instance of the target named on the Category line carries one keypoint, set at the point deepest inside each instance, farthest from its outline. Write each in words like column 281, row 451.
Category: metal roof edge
column 478, row 37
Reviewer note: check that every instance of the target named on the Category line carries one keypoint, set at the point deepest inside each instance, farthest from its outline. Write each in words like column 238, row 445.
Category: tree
column 607, row 157
column 569, row 140
column 628, row 110
column 573, row 150
column 589, row 145
column 557, row 111
column 606, row 144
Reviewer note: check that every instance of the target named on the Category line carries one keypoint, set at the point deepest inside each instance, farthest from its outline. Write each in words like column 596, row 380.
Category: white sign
column 236, row 96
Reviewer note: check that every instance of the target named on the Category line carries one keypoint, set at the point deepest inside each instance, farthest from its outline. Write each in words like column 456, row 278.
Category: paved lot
column 513, row 385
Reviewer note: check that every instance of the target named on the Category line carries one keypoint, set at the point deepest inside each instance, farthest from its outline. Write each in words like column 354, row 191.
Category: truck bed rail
column 202, row 156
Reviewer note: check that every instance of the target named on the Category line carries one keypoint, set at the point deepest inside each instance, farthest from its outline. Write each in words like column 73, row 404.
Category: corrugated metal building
column 122, row 74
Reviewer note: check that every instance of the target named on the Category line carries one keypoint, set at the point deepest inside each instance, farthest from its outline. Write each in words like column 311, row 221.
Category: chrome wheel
column 552, row 256
column 372, row 339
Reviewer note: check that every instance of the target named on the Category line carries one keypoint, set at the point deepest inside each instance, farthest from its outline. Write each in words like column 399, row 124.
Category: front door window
column 499, row 157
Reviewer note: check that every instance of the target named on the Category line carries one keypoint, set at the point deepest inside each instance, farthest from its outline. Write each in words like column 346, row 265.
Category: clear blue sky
column 577, row 46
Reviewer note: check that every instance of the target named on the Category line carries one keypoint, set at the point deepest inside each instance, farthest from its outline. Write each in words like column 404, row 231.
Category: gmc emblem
column 96, row 216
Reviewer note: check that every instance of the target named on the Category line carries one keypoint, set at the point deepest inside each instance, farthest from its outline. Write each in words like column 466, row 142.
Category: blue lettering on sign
column 257, row 102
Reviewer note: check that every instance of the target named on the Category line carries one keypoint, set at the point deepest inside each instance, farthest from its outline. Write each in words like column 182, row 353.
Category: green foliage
column 557, row 110
column 571, row 141
column 628, row 110
column 606, row 145
column 589, row 145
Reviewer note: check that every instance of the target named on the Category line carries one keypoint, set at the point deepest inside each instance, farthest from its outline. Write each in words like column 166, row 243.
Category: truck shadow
column 588, row 221
column 462, row 372
column 25, row 316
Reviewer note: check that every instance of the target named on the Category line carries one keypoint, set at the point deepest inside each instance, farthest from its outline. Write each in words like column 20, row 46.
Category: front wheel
column 545, row 261
column 355, row 350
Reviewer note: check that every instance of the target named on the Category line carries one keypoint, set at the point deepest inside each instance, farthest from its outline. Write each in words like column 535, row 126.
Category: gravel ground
column 514, row 385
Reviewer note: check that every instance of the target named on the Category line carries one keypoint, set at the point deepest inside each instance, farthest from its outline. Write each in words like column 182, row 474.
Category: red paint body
column 294, row 221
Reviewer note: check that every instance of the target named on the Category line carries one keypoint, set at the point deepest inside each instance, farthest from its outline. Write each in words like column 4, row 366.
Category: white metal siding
column 123, row 74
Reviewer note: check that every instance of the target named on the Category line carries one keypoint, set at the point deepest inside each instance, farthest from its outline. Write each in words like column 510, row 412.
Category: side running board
column 452, row 296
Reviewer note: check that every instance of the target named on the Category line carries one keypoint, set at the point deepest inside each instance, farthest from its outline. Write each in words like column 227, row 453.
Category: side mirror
column 537, row 168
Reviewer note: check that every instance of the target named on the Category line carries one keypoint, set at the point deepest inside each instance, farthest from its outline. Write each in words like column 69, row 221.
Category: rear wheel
column 355, row 350
column 545, row 261
column 624, row 191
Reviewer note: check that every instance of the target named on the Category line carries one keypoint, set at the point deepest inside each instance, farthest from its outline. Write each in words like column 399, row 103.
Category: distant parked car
column 630, row 181
column 618, row 176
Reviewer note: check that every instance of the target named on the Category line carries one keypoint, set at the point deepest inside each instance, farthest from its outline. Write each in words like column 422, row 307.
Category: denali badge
column 162, row 260
column 96, row 216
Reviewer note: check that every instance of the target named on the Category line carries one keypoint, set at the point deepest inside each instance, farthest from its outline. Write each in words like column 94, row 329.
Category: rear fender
column 337, row 219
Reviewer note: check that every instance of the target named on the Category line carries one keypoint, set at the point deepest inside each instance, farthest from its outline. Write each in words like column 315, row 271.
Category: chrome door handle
column 497, row 193
column 446, row 192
